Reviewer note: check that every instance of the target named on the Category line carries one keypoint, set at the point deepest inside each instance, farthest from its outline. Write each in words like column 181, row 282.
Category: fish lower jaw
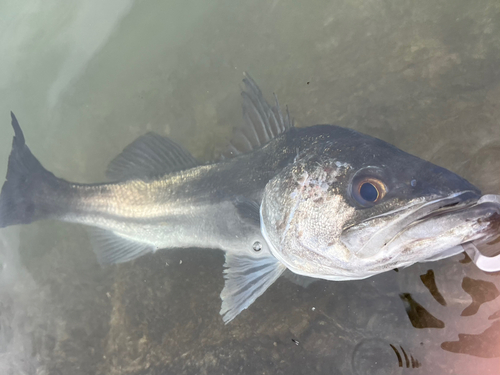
column 339, row 270
column 342, row 275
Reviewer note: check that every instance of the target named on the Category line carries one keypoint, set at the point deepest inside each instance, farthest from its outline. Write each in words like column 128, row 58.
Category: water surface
column 86, row 79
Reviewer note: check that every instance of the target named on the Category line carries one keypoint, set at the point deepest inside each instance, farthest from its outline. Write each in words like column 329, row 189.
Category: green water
column 87, row 78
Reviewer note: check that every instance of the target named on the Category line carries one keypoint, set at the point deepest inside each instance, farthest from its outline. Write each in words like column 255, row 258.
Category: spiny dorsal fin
column 149, row 156
column 247, row 278
column 263, row 122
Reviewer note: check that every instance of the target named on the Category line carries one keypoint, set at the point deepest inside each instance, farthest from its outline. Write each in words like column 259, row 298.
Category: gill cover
column 303, row 212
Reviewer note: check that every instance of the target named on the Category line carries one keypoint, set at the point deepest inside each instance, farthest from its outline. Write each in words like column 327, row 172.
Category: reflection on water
column 409, row 362
column 375, row 356
column 481, row 345
column 494, row 315
column 419, row 316
column 430, row 283
column 421, row 75
column 481, row 292
column 484, row 345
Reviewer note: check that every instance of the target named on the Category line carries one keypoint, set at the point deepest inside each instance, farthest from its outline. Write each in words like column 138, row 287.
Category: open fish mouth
column 422, row 220
column 445, row 206
column 475, row 220
column 473, row 227
column 485, row 251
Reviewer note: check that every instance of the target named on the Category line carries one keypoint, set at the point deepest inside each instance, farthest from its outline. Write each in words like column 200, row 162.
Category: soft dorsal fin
column 263, row 122
column 149, row 156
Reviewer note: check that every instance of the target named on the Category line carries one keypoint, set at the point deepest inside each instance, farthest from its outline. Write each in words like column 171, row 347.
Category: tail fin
column 26, row 184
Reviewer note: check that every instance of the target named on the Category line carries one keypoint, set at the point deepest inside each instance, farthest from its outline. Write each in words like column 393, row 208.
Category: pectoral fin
column 247, row 278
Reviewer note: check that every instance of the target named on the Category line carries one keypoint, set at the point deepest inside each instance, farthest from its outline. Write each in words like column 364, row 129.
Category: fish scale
column 322, row 201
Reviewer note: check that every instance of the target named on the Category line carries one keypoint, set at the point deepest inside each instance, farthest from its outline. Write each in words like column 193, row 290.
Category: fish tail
column 25, row 195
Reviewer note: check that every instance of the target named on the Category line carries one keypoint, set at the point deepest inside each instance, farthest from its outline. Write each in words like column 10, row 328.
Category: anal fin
column 111, row 248
column 247, row 278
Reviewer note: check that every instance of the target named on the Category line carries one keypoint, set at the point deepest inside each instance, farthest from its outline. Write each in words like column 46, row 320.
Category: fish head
column 351, row 206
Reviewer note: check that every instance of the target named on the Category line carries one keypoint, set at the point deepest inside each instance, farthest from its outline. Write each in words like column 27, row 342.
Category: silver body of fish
column 323, row 201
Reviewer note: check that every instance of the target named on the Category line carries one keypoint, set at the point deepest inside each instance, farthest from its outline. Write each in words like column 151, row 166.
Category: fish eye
column 368, row 190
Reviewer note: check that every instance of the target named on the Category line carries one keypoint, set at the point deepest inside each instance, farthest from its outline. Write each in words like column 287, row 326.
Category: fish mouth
column 367, row 238
column 485, row 251
column 445, row 206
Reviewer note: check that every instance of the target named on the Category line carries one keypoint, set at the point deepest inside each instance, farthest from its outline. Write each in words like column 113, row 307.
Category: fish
column 323, row 202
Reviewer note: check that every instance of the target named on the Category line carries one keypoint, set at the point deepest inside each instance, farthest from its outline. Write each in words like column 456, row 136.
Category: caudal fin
column 23, row 195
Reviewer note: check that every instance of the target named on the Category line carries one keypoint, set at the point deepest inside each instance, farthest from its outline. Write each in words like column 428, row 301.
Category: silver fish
column 323, row 201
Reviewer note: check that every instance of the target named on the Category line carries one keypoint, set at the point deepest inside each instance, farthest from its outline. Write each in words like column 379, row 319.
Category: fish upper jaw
column 368, row 238
column 472, row 222
column 426, row 239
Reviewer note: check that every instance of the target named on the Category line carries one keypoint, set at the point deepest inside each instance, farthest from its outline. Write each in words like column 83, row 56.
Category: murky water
column 87, row 78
